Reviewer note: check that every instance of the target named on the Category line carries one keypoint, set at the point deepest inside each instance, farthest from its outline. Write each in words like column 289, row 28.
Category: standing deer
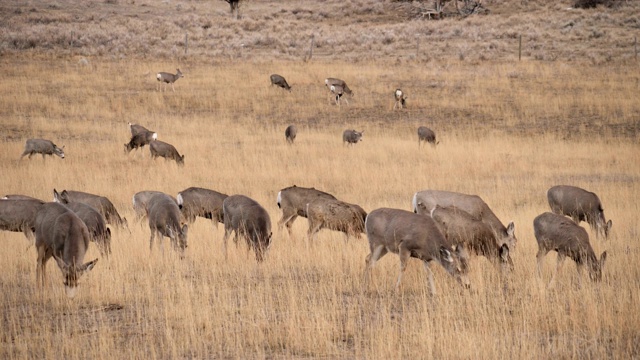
column 335, row 215
column 290, row 133
column 293, row 201
column 411, row 235
column 280, row 81
column 168, row 78
column 400, row 99
column 62, row 234
column 141, row 203
column 164, row 219
column 165, row 150
column 41, row 146
column 338, row 91
column 206, row 203
column 559, row 233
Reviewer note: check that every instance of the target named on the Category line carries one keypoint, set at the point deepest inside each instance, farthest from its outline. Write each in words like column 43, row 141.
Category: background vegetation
column 509, row 130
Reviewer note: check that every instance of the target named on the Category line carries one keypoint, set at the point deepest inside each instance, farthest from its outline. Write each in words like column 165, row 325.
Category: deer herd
column 442, row 227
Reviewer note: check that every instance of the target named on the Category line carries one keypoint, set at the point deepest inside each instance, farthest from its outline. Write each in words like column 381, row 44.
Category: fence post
column 520, row 48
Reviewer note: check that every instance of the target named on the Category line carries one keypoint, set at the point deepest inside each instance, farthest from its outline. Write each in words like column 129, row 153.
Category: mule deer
column 168, row 78
column 165, row 150
column 100, row 203
column 425, row 201
column 164, row 219
column 350, row 137
column 335, row 215
column 559, row 233
column 427, row 135
column 248, row 219
column 411, row 235
column 401, row 99
column 280, row 81
column 62, row 234
column 290, row 133
column 580, row 205
column 205, row 203
column 293, row 201
column 42, row 146
column 96, row 224
column 19, row 215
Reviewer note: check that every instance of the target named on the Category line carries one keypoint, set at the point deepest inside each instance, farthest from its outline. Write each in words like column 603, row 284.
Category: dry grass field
column 508, row 131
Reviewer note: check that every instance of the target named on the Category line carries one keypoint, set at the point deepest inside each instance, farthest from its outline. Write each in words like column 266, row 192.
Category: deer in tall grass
column 168, row 78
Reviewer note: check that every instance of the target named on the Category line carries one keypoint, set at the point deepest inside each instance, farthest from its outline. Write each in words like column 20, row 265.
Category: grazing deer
column 62, row 234
column 400, row 99
column 293, row 201
column 425, row 201
column 559, row 233
column 412, row 236
column 280, row 81
column 338, row 91
column 580, row 205
column 168, row 78
column 164, row 219
column 290, row 133
column 96, row 224
column 247, row 218
column 427, row 135
column 165, row 150
column 41, row 146
column 139, row 140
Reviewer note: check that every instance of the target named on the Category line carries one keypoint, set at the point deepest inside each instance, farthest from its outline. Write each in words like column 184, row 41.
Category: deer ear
column 603, row 259
column 185, row 229
column 87, row 266
column 511, row 229
column 108, row 232
column 445, row 254
column 56, row 196
column 609, row 225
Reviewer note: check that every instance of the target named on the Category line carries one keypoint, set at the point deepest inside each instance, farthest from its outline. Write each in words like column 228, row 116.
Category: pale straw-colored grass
column 508, row 132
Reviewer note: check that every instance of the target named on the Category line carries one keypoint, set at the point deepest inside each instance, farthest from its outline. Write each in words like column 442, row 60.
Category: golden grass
column 508, row 132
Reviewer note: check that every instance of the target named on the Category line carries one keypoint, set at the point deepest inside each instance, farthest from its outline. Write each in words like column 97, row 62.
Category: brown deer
column 558, row 233
column 62, row 234
column 411, row 235
column 168, row 78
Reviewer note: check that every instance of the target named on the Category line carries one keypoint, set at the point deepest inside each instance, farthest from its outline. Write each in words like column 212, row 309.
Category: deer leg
column 151, row 240
column 227, row 232
column 432, row 287
column 559, row 263
column 371, row 259
column 404, row 257
column 40, row 267
column 540, row 257
column 172, row 88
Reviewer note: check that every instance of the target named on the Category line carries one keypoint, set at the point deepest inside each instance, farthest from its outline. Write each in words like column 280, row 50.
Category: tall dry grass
column 508, row 132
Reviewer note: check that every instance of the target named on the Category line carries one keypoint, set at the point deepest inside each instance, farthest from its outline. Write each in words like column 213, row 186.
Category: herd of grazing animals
column 443, row 226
